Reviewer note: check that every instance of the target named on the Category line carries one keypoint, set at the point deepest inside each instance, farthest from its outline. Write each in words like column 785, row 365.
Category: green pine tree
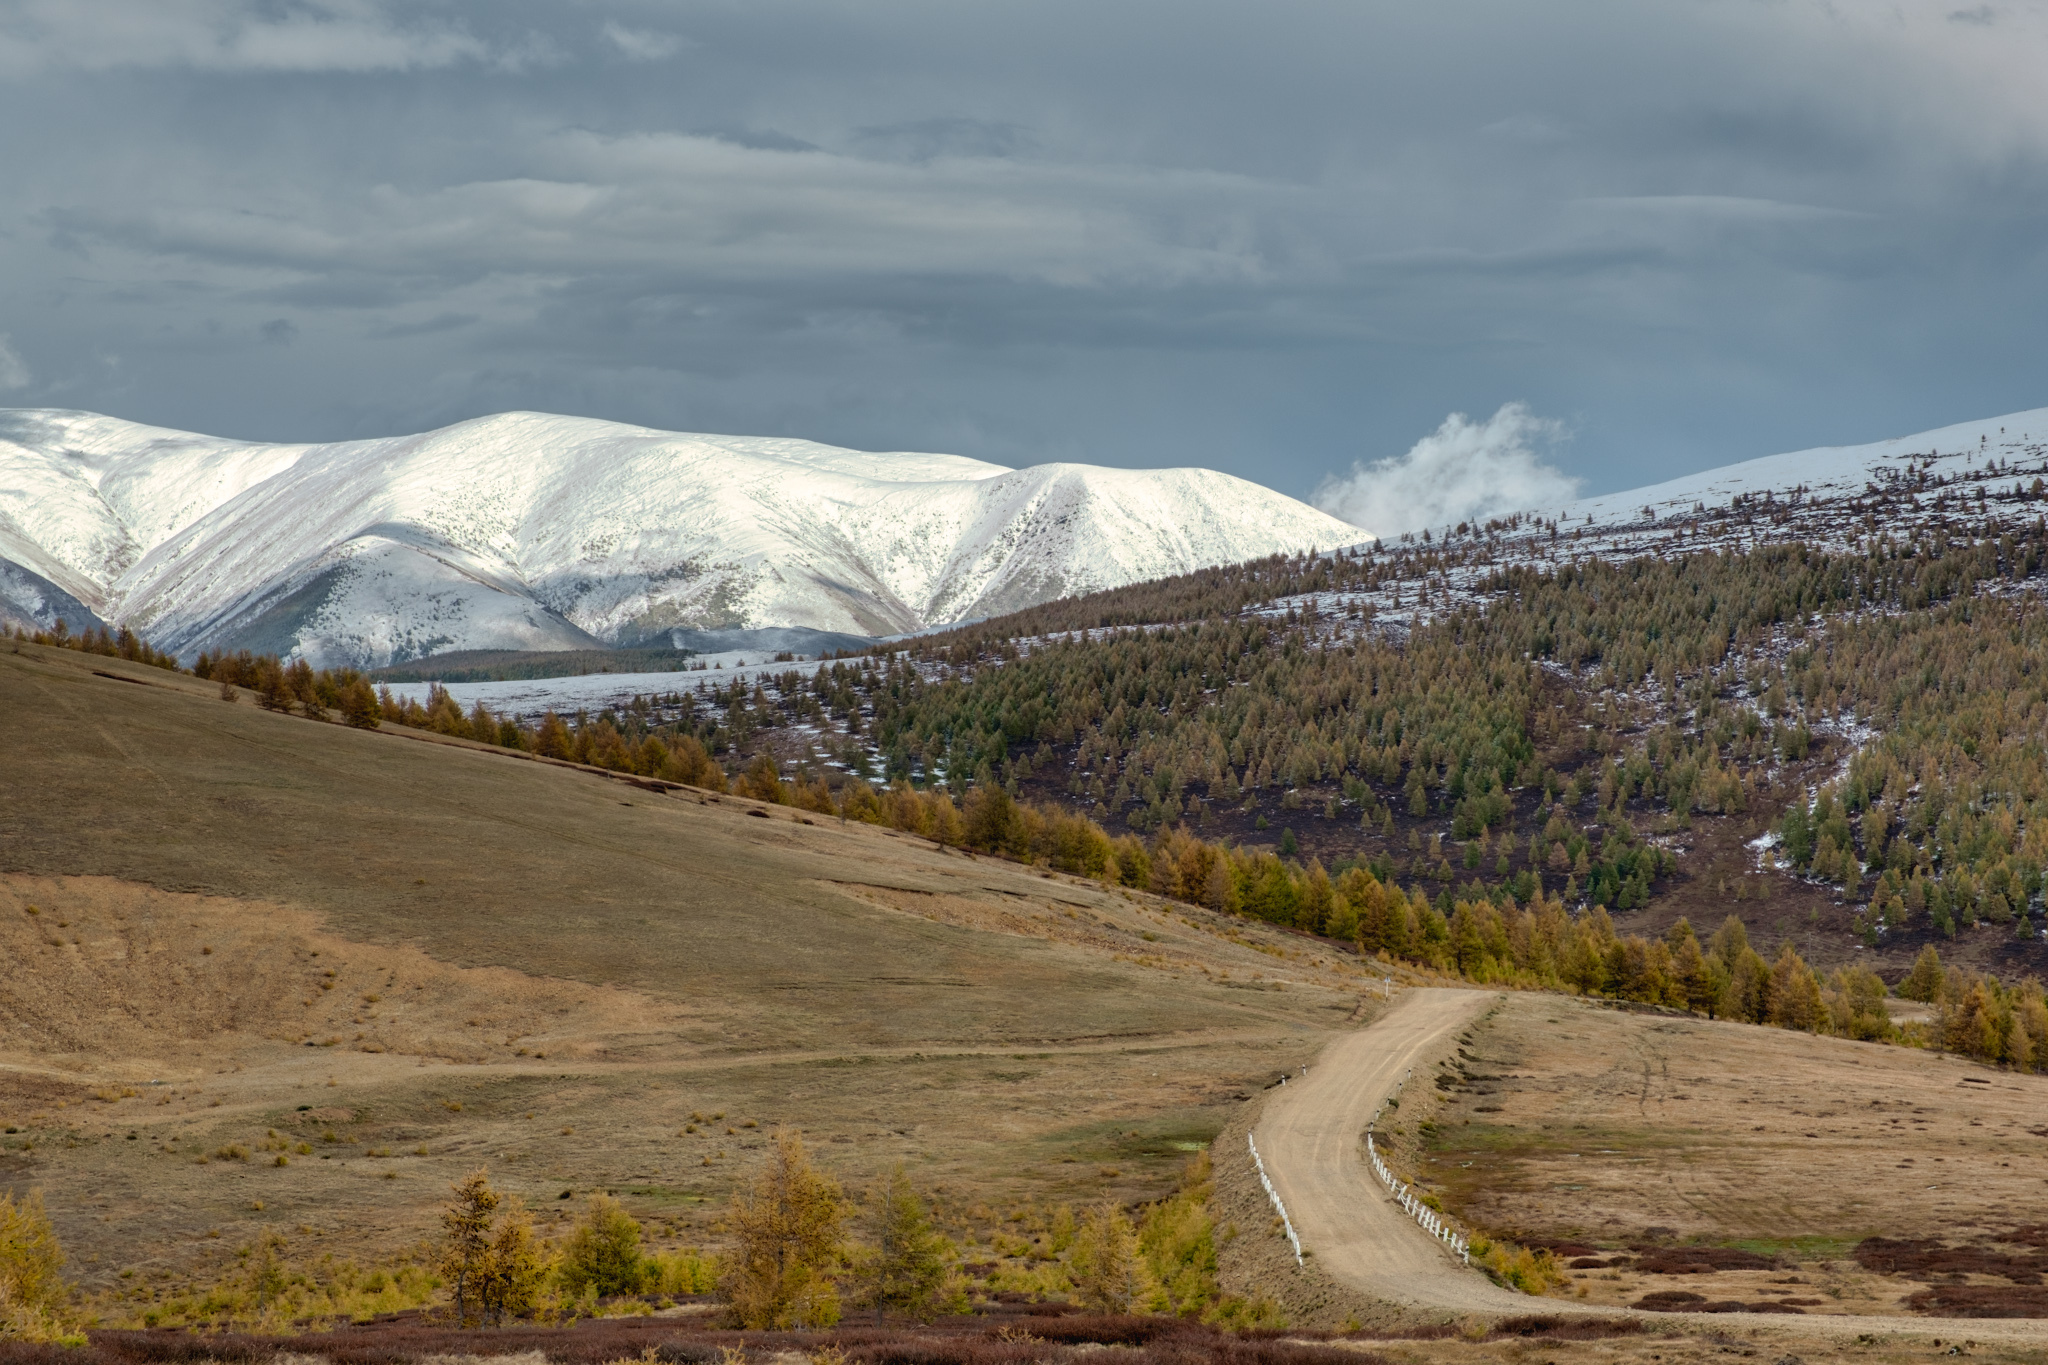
column 912, row 1263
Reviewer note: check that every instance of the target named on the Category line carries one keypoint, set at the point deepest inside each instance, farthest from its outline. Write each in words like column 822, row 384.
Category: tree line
column 122, row 643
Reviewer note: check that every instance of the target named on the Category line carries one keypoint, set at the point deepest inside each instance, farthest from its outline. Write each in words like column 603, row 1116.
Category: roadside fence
column 1427, row 1218
column 1274, row 1195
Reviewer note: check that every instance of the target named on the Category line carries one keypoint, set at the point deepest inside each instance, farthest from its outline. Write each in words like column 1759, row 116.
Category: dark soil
column 1698, row 1260
column 1980, row 1301
column 1679, row 1301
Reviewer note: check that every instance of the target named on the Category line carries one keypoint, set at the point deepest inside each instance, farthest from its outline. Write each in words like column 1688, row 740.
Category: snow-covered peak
column 531, row 530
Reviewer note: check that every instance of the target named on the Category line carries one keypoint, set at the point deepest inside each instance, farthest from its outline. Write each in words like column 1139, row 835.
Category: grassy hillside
column 405, row 954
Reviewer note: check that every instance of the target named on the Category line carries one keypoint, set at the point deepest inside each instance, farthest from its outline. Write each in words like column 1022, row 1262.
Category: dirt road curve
column 1309, row 1137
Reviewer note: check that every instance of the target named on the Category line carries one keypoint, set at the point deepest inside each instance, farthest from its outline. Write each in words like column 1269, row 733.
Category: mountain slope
column 1826, row 496
column 530, row 531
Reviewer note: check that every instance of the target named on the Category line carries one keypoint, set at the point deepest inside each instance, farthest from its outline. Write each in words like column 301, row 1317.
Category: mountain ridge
column 536, row 531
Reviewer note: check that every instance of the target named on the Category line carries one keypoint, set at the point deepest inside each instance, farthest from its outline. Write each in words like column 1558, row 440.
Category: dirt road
column 1309, row 1137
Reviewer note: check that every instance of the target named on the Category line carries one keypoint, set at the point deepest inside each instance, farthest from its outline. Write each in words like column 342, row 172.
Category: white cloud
column 643, row 45
column 13, row 373
column 225, row 35
column 1461, row 471
column 671, row 201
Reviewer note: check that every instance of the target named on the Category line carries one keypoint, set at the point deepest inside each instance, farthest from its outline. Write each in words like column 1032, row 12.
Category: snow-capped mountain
column 1971, row 480
column 1829, row 497
column 530, row 531
column 1825, row 475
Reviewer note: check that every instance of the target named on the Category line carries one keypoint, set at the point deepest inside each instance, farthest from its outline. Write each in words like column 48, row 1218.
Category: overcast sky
column 1275, row 238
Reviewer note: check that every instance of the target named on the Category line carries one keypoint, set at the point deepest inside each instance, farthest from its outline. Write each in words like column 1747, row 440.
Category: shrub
column 1518, row 1268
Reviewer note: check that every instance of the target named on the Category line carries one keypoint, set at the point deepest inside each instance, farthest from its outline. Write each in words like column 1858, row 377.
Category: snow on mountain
column 1828, row 496
column 530, row 531
column 1830, row 472
column 1970, row 479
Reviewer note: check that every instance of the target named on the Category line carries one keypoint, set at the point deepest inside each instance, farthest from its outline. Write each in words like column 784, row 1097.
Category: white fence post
column 1274, row 1195
column 1437, row 1227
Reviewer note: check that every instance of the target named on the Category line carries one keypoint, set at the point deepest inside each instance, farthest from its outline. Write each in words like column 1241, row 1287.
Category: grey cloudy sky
column 1274, row 238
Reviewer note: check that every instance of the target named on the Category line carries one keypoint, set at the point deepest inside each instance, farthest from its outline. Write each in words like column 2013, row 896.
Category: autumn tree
column 786, row 1234
column 1971, row 1025
column 1923, row 983
column 1109, row 1269
column 1692, row 972
column 1792, row 995
column 763, row 781
column 514, row 1267
column 273, row 691
column 466, row 1237
column 359, row 704
column 267, row 1278
column 32, row 1289
column 553, row 740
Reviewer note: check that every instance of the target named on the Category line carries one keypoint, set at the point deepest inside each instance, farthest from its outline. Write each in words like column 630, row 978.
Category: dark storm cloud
column 1273, row 239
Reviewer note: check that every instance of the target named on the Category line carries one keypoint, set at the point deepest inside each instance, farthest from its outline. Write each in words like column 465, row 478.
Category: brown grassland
column 415, row 955
column 1673, row 1156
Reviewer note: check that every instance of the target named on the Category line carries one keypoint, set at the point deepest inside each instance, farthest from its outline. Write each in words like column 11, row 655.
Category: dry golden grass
column 1570, row 1122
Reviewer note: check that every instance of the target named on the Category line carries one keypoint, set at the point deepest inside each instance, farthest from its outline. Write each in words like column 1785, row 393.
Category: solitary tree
column 32, row 1288
column 1109, row 1267
column 466, row 1236
column 911, row 1265
column 513, row 1267
column 603, row 1254
column 267, row 1277
column 786, row 1235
